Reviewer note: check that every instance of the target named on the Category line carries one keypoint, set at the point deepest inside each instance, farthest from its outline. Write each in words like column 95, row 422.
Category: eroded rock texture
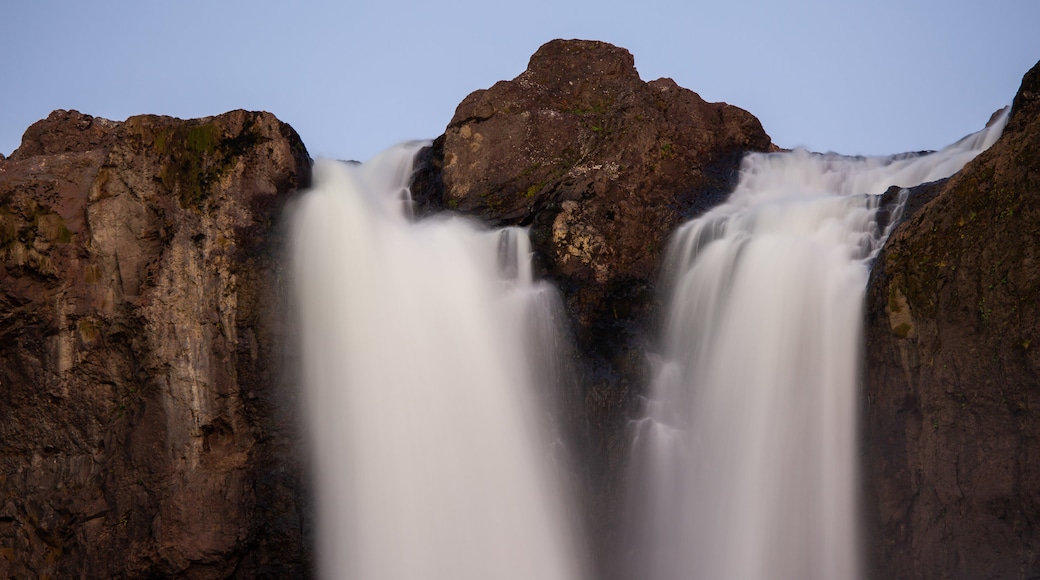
column 602, row 166
column 143, row 427
column 952, row 433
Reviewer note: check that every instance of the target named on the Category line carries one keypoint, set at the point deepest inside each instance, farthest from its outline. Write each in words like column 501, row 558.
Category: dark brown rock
column 141, row 430
column 63, row 132
column 952, row 418
column 918, row 196
column 602, row 166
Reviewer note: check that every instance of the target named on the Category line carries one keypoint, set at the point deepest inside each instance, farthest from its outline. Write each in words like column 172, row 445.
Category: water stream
column 424, row 392
column 432, row 362
column 745, row 466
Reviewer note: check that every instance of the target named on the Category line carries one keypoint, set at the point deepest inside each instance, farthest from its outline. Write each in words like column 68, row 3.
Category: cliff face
column 602, row 167
column 140, row 356
column 145, row 423
column 952, row 415
column 146, row 419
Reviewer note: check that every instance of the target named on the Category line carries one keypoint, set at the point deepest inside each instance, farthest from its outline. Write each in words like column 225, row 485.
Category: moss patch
column 203, row 138
column 88, row 331
column 903, row 330
column 52, row 227
column 8, row 228
column 195, row 157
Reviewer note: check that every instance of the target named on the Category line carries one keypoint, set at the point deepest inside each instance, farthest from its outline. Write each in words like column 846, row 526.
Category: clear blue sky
column 854, row 77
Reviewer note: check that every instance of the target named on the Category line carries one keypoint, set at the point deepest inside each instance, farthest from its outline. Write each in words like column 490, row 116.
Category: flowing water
column 432, row 360
column 424, row 391
column 745, row 466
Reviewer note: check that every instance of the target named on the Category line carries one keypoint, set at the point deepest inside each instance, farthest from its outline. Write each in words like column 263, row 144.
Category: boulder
column 952, row 402
column 145, row 427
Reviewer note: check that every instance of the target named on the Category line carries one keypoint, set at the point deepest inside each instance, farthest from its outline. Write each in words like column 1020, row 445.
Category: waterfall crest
column 426, row 424
column 745, row 466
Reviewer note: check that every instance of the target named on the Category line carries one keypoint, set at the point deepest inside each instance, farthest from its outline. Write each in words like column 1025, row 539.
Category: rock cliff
column 952, row 412
column 602, row 167
column 147, row 420
column 144, row 427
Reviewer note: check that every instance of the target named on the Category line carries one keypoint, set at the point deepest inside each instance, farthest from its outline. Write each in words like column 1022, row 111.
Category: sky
column 353, row 78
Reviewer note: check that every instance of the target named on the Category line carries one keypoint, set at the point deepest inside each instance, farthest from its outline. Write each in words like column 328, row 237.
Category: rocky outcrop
column 602, row 167
column 144, row 430
column 952, row 419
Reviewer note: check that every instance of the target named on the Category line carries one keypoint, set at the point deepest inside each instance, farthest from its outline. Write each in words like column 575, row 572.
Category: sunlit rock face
column 602, row 166
column 141, row 424
column 952, row 459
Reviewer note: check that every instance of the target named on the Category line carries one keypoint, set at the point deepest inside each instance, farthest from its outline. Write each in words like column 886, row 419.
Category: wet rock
column 952, row 457
column 916, row 197
column 142, row 422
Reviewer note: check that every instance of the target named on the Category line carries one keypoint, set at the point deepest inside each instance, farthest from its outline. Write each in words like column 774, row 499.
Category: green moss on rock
column 194, row 158
column 203, row 138
column 53, row 229
column 8, row 228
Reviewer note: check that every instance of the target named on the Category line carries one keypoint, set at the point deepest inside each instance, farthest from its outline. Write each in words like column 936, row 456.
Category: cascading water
column 426, row 424
column 746, row 465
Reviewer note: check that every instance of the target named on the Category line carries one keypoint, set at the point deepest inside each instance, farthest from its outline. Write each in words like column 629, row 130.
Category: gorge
column 158, row 277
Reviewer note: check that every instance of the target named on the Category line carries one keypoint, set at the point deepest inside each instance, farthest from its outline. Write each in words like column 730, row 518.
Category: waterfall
column 425, row 394
column 745, row 465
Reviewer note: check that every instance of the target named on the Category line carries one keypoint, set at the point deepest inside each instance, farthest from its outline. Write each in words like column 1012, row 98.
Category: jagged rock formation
column 953, row 372
column 602, row 166
column 141, row 432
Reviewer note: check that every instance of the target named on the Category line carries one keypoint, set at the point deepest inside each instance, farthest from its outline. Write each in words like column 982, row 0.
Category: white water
column 746, row 465
column 428, row 437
